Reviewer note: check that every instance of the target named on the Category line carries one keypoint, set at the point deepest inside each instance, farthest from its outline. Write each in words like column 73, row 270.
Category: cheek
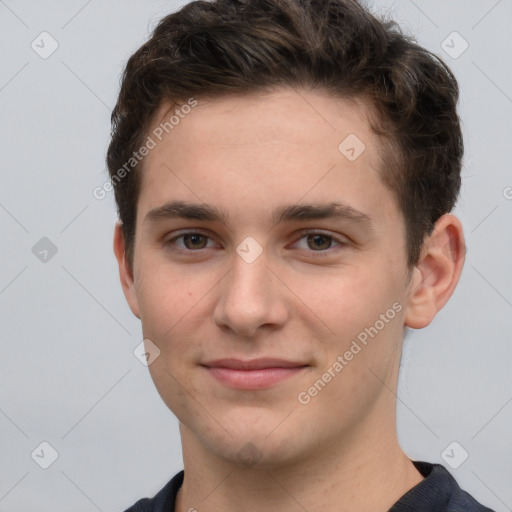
column 176, row 316
column 350, row 301
column 366, row 314
column 176, row 389
column 169, row 307
column 165, row 297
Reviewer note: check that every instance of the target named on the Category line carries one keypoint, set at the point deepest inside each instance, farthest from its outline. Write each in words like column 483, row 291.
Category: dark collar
column 437, row 492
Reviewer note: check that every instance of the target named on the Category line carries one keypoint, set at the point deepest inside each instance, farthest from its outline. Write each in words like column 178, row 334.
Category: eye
column 312, row 241
column 191, row 241
column 318, row 242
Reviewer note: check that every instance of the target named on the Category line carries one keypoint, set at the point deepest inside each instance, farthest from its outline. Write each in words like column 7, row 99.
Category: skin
column 303, row 299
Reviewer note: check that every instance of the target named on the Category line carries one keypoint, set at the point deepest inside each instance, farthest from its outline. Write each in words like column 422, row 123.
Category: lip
column 253, row 364
column 253, row 374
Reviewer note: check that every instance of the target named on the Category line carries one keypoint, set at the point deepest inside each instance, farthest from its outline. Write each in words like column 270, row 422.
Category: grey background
column 69, row 375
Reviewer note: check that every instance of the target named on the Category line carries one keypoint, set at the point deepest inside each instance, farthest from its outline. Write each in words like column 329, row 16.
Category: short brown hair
column 227, row 47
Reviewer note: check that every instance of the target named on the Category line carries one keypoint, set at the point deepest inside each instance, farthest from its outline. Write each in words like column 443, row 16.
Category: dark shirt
column 437, row 492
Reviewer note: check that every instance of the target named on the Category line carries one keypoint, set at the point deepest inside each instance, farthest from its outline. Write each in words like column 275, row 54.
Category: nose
column 251, row 299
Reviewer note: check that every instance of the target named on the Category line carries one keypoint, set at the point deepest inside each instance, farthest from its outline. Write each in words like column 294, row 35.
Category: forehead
column 260, row 149
column 264, row 117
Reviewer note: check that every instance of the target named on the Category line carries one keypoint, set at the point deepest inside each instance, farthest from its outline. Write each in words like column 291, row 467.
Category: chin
column 255, row 448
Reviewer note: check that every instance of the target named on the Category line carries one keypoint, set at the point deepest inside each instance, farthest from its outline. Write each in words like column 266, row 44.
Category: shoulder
column 438, row 492
column 163, row 501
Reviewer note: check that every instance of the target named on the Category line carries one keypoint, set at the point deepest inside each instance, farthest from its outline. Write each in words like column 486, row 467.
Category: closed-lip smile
column 252, row 374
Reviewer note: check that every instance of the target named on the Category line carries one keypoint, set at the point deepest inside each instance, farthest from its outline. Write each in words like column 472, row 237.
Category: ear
column 437, row 273
column 125, row 273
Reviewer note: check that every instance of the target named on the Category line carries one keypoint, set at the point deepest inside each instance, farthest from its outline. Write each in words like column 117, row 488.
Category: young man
column 284, row 172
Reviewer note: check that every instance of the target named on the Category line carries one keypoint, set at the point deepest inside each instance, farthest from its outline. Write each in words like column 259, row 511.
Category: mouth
column 253, row 374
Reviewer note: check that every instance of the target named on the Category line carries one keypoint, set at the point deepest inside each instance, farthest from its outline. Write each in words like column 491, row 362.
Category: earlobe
column 437, row 273
column 125, row 272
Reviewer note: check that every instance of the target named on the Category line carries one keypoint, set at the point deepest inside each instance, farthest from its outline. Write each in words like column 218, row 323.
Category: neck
column 365, row 471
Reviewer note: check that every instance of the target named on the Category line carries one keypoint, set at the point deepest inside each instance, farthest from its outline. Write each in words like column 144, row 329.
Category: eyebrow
column 206, row 212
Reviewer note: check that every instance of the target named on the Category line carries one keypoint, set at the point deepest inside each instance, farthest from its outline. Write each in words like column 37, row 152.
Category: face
column 264, row 236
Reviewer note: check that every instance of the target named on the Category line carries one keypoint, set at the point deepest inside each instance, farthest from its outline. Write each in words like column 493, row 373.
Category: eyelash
column 303, row 234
